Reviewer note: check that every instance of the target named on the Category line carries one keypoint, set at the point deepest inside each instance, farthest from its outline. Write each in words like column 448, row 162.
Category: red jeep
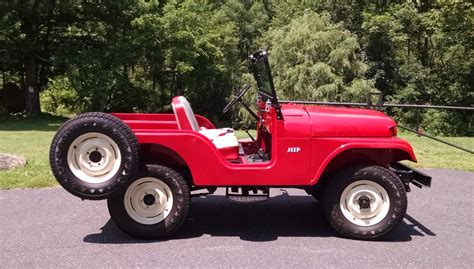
column 148, row 166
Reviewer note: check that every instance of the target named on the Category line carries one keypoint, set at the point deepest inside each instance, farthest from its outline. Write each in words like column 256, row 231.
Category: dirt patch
column 10, row 161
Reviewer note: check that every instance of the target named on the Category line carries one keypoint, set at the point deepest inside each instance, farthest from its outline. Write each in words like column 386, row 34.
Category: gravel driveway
column 50, row 228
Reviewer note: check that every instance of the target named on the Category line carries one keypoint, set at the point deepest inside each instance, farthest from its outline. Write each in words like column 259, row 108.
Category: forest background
column 72, row 56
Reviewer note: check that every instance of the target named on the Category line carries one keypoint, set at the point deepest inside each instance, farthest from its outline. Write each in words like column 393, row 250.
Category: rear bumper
column 410, row 175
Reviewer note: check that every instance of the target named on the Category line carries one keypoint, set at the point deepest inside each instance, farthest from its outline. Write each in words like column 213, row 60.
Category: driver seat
column 224, row 139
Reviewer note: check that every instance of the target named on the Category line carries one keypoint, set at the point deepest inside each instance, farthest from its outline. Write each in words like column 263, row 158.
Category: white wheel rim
column 355, row 199
column 148, row 200
column 94, row 157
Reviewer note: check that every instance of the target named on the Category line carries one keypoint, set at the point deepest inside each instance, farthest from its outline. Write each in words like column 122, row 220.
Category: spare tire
column 93, row 155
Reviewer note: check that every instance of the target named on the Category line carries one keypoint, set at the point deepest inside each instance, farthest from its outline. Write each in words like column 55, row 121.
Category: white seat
column 214, row 133
column 223, row 138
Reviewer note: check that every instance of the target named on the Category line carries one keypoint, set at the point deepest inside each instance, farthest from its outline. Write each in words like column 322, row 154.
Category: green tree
column 187, row 54
column 422, row 53
column 134, row 55
column 347, row 12
column 27, row 39
column 315, row 59
column 251, row 19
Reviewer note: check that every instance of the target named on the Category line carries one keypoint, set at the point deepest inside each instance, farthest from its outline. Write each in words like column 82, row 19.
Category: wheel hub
column 149, row 199
column 95, row 156
column 364, row 202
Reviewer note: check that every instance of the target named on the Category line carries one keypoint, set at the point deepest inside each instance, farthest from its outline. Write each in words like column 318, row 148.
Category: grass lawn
column 31, row 138
column 433, row 154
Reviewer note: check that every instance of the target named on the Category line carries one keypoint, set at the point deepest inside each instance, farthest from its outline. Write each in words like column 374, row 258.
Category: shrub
column 60, row 98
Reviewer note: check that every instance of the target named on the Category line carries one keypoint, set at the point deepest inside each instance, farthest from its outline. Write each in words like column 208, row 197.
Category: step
column 248, row 194
column 248, row 199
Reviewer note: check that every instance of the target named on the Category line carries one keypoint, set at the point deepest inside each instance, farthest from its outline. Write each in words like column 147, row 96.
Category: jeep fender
column 379, row 152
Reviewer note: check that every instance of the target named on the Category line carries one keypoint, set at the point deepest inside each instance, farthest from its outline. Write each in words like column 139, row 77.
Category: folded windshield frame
column 260, row 67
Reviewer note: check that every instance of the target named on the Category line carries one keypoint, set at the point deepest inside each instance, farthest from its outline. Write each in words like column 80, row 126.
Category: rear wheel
column 154, row 205
column 365, row 202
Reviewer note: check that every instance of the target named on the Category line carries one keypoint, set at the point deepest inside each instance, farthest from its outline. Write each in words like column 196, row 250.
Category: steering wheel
column 236, row 98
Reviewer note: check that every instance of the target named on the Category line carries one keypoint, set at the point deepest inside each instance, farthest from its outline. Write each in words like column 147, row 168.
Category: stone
column 10, row 161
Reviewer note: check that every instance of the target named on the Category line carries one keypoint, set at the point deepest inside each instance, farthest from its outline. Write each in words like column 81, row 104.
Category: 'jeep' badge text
column 294, row 149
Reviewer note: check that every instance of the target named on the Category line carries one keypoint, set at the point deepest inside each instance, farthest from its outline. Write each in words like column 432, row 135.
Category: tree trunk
column 32, row 92
column 31, row 69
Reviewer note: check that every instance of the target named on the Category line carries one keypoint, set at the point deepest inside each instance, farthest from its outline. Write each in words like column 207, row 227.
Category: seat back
column 184, row 114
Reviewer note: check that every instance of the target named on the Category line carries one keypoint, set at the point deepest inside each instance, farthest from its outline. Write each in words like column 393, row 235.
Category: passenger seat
column 224, row 139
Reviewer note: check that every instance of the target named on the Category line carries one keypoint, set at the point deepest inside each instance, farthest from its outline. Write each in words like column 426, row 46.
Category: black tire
column 170, row 222
column 111, row 128
column 385, row 178
column 317, row 190
column 314, row 193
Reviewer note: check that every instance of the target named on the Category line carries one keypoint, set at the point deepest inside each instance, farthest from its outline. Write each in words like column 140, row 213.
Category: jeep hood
column 346, row 122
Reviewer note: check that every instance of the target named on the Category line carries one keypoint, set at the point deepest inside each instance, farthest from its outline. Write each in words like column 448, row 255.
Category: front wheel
column 365, row 202
column 154, row 205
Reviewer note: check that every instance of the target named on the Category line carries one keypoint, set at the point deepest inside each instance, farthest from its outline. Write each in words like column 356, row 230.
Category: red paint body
column 308, row 142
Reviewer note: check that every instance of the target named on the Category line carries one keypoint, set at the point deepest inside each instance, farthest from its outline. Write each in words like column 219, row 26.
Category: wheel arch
column 153, row 153
column 352, row 156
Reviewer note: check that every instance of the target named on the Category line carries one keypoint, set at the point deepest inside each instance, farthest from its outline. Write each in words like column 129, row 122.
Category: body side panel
column 209, row 168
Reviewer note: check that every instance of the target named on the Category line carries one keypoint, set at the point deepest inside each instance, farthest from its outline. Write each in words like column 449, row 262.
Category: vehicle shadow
column 281, row 216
